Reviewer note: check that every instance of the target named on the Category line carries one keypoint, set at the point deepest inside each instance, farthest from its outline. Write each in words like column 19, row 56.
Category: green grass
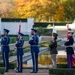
column 26, row 38
column 13, row 39
column 13, row 52
column 2, row 70
column 44, row 44
column 12, row 65
column 62, row 71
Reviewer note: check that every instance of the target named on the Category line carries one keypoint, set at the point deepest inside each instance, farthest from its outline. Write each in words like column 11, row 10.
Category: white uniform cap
column 70, row 31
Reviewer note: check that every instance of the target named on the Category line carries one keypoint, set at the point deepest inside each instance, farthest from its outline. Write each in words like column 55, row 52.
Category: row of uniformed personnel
column 33, row 45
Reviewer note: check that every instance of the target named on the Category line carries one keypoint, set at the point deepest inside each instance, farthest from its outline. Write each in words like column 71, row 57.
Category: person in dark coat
column 53, row 49
column 20, row 52
column 34, row 49
column 69, row 48
column 5, row 49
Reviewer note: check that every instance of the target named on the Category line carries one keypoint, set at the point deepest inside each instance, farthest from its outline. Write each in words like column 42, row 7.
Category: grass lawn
column 13, row 39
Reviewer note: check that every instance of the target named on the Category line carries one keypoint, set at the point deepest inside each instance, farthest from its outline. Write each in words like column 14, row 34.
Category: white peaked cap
column 70, row 31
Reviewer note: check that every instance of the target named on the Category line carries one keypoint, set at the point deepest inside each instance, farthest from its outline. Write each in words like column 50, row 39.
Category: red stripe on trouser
column 69, row 60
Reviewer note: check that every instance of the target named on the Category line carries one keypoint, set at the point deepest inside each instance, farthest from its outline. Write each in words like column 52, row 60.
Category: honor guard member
column 69, row 48
column 34, row 49
column 20, row 52
column 5, row 49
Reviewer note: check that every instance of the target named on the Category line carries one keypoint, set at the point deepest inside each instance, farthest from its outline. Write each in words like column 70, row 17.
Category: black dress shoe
column 6, row 71
column 33, row 72
column 18, row 72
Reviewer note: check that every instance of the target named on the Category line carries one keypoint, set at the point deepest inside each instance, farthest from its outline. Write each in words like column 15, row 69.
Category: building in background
column 72, row 26
column 13, row 25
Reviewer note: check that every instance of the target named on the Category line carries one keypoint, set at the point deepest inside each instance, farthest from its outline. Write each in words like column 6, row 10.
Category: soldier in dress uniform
column 34, row 49
column 20, row 52
column 69, row 48
column 5, row 49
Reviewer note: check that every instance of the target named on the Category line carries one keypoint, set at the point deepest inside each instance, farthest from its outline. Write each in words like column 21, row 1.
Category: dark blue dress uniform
column 70, row 51
column 20, row 52
column 5, row 50
column 69, row 44
column 34, row 51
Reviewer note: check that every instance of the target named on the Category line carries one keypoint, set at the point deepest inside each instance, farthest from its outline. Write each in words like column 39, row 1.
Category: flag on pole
column 19, row 30
column 54, row 30
column 67, row 30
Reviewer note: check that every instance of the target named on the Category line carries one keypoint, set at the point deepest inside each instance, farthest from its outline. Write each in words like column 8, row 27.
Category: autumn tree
column 60, row 14
column 69, row 7
column 39, row 9
column 6, row 8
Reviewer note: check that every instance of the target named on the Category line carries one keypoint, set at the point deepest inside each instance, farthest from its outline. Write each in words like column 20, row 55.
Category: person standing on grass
column 53, row 49
column 69, row 48
column 20, row 52
column 5, row 49
column 34, row 49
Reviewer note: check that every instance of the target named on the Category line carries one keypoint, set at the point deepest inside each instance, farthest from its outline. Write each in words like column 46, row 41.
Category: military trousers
column 19, row 60
column 35, row 61
column 5, row 56
column 69, row 60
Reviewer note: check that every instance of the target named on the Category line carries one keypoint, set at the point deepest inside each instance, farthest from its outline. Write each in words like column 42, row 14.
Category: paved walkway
column 27, row 72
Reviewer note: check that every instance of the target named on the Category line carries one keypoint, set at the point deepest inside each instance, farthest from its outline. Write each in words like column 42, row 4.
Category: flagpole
column 53, row 21
column 67, row 30
column 53, row 31
column 19, row 30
